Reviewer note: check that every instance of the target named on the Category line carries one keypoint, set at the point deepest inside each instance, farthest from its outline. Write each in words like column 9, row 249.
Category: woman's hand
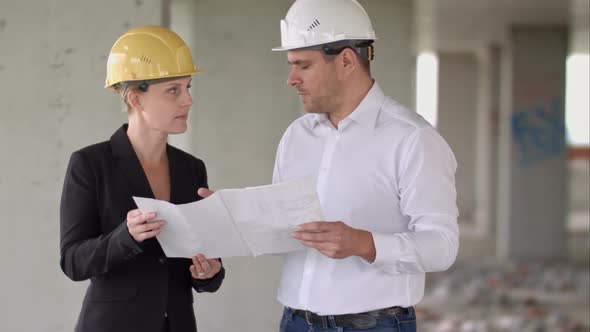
column 140, row 227
column 204, row 192
column 204, row 268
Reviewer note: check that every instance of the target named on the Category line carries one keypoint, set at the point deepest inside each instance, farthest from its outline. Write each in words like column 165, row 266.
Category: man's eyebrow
column 298, row 62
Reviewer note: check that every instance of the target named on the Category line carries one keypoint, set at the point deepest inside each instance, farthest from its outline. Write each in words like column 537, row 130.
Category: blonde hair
column 123, row 88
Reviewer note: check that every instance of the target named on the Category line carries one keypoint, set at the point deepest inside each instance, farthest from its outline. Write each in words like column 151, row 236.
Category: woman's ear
column 133, row 99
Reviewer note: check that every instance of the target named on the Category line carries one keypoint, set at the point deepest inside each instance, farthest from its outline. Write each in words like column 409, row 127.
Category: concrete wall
column 394, row 66
column 52, row 71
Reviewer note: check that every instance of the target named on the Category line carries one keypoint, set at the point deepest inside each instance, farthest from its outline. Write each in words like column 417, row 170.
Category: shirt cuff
column 388, row 249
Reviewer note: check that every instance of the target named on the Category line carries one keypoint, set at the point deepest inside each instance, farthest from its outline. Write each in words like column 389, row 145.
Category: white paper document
column 237, row 222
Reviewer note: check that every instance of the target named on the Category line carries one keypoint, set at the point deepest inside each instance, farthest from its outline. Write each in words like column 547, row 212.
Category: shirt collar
column 364, row 114
column 319, row 118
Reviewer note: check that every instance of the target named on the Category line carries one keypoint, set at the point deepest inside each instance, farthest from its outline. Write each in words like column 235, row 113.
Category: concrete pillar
column 532, row 195
column 425, row 12
column 457, row 120
column 494, row 88
column 579, row 26
column 242, row 106
column 486, row 141
column 52, row 71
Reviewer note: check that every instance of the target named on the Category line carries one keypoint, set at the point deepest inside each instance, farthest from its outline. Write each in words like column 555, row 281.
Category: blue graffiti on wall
column 539, row 132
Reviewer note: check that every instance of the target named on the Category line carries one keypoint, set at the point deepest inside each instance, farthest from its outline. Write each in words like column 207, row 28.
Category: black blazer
column 133, row 286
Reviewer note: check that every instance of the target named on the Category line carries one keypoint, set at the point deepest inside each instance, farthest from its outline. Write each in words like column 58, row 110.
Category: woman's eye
column 189, row 86
column 173, row 90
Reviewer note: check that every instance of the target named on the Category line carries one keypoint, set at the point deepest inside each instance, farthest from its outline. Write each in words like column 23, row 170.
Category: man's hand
column 335, row 239
column 204, row 192
column 204, row 268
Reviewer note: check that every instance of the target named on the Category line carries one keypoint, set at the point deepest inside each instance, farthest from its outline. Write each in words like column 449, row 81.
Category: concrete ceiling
column 471, row 24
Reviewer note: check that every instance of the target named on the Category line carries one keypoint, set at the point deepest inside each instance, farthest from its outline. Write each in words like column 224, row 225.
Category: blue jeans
column 399, row 323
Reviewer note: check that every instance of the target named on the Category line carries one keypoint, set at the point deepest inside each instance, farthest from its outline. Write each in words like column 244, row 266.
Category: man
column 385, row 179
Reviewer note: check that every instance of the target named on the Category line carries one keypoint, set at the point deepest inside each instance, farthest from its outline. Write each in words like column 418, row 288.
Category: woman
column 104, row 238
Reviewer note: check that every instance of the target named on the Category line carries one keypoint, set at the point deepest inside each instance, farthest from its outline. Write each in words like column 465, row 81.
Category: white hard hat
column 317, row 22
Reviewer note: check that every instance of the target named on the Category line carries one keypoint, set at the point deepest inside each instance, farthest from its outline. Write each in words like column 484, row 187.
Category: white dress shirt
column 386, row 170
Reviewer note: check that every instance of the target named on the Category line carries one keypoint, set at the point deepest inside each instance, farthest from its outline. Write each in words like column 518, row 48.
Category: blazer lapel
column 127, row 161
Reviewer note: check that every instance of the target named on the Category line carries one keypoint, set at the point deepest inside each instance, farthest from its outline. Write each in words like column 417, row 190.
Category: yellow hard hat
column 147, row 53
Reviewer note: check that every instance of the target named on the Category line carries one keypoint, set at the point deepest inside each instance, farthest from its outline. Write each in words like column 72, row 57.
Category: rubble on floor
column 516, row 297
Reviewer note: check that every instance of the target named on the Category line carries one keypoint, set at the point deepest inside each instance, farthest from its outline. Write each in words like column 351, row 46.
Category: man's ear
column 349, row 60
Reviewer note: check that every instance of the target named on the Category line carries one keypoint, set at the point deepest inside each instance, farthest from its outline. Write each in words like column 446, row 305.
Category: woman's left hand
column 204, row 268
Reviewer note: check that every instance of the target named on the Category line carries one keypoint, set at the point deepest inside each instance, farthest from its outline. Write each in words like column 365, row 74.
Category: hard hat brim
column 169, row 76
column 301, row 46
